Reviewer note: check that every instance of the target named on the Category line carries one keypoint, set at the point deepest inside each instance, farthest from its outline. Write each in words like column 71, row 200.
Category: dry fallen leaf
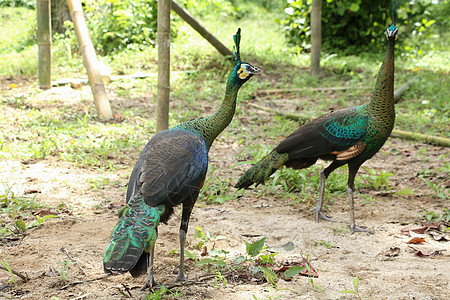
column 408, row 230
column 429, row 254
column 438, row 236
column 416, row 240
column 393, row 251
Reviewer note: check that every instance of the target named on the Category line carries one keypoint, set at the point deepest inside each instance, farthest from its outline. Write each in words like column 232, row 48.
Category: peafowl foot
column 321, row 215
column 355, row 228
column 149, row 284
column 181, row 277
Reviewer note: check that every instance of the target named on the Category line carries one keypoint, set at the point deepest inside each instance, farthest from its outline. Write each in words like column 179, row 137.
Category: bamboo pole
column 319, row 89
column 398, row 92
column 90, row 60
column 44, row 38
column 186, row 16
column 316, row 36
column 408, row 135
column 163, row 94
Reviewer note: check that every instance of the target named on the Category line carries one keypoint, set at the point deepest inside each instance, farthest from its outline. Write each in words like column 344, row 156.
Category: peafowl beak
column 246, row 70
column 392, row 32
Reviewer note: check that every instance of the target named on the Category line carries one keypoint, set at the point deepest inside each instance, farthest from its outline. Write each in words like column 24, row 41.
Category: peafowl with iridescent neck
column 170, row 171
column 346, row 137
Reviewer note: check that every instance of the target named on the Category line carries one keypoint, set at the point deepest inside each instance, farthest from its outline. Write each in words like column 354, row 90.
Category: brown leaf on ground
column 44, row 213
column 416, row 240
column 429, row 254
column 393, row 251
column 431, row 225
column 438, row 236
column 31, row 191
column 421, row 230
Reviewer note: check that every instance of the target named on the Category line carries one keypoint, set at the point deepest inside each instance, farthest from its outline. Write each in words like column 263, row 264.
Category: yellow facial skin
column 241, row 73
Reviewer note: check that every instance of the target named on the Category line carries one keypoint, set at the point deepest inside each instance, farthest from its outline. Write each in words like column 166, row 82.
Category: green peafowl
column 346, row 137
column 170, row 171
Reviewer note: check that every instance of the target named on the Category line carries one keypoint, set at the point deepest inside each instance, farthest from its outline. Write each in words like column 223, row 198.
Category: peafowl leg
column 187, row 209
column 150, row 282
column 323, row 176
column 350, row 191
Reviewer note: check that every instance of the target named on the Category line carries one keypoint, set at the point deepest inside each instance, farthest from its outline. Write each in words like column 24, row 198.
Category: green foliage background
column 353, row 26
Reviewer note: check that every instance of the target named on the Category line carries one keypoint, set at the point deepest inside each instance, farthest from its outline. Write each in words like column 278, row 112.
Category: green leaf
column 21, row 225
column 348, row 292
column 356, row 284
column 270, row 276
column 404, row 192
column 254, row 248
column 292, row 271
column 239, row 260
column 205, row 261
column 429, row 23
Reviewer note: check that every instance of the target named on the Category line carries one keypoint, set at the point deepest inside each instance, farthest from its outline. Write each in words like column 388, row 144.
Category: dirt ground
column 82, row 231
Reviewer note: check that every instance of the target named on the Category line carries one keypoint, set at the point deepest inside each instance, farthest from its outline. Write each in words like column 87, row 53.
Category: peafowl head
column 242, row 71
column 392, row 32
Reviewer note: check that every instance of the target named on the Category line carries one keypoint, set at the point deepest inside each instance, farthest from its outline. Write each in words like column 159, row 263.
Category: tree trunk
column 188, row 18
column 60, row 14
column 163, row 96
column 316, row 36
column 90, row 60
column 44, row 38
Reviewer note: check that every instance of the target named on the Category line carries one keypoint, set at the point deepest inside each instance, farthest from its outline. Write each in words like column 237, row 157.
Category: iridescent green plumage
column 135, row 232
column 170, row 171
column 346, row 137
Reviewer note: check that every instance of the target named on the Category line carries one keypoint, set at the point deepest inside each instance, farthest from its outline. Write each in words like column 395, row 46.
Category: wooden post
column 186, row 16
column 90, row 60
column 44, row 38
column 163, row 94
column 316, row 36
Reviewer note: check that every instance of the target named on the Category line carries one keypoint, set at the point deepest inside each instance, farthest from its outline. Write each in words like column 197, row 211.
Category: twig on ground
column 74, row 260
column 84, row 281
column 24, row 277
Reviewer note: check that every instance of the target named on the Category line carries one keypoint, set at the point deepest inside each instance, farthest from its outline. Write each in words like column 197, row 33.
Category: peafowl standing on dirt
column 170, row 171
column 346, row 137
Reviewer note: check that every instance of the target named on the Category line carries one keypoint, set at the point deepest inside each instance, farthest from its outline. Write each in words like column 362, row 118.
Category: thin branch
column 320, row 89
column 84, row 281
column 73, row 259
column 24, row 277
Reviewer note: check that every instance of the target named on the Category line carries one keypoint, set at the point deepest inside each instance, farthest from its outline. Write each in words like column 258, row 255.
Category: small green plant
column 323, row 243
column 205, row 239
column 5, row 264
column 432, row 216
column 376, row 180
column 219, row 280
column 355, row 290
column 216, row 189
column 64, row 270
column 438, row 189
column 162, row 293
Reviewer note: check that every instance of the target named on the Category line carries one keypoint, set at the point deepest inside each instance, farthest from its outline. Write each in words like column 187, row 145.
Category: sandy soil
column 86, row 217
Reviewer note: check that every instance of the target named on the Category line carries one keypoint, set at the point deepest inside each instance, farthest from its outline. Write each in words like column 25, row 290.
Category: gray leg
column 323, row 176
column 181, row 275
column 350, row 190
column 187, row 209
column 150, row 282
column 318, row 208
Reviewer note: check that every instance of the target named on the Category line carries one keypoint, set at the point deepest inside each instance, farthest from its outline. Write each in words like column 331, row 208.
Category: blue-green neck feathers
column 210, row 127
column 381, row 107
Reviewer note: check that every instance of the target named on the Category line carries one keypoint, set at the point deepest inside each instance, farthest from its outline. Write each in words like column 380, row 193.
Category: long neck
column 382, row 102
column 210, row 127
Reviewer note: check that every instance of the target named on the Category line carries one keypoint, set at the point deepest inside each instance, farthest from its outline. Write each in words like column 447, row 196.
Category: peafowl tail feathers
column 262, row 169
column 133, row 238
